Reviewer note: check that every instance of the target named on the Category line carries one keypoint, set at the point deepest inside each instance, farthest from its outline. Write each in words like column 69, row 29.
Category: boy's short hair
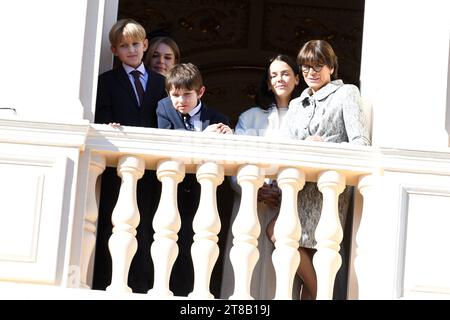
column 124, row 29
column 184, row 76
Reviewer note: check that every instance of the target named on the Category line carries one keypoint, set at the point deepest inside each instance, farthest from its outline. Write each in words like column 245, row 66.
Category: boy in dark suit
column 184, row 110
column 128, row 95
column 118, row 92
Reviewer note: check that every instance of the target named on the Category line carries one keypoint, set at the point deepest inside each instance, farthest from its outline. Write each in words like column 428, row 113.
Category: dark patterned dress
column 335, row 113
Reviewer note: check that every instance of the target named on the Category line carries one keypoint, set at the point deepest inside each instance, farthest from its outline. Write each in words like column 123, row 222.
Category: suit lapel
column 126, row 84
column 149, row 80
column 204, row 116
column 174, row 114
column 147, row 95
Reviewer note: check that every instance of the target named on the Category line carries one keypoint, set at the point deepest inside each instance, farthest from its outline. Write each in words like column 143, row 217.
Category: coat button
column 187, row 190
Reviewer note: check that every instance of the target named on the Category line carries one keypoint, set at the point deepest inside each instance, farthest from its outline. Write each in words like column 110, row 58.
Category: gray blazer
column 334, row 113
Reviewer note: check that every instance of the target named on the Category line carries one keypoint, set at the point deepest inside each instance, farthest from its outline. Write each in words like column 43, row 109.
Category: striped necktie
column 187, row 122
column 138, row 84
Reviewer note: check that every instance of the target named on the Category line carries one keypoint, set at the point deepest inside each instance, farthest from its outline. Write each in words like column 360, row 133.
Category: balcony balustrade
column 211, row 157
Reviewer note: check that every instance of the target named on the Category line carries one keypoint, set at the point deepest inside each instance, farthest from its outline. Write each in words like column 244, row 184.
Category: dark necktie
column 187, row 122
column 138, row 84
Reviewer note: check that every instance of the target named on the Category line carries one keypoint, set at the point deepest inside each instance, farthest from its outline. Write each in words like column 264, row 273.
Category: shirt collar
column 323, row 92
column 196, row 110
column 140, row 68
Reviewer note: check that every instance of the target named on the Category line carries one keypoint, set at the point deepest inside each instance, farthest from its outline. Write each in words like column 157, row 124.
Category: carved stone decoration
column 201, row 24
column 288, row 26
column 231, row 89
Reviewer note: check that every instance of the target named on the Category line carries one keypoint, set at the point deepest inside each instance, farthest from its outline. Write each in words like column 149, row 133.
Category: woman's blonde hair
column 155, row 42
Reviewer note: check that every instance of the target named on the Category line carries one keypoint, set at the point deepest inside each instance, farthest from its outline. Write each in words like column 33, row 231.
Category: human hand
column 314, row 138
column 218, row 128
column 115, row 125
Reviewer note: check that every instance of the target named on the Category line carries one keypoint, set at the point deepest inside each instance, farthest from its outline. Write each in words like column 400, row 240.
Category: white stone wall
column 404, row 71
column 37, row 192
column 50, row 60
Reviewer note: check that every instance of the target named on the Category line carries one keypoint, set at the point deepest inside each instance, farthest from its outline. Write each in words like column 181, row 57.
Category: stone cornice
column 44, row 133
column 415, row 161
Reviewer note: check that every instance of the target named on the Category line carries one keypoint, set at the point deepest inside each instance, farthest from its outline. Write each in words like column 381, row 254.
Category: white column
column 48, row 100
column 166, row 224
column 244, row 253
column 206, row 226
column 327, row 259
column 96, row 167
column 364, row 237
column 287, row 232
column 125, row 218
column 388, row 106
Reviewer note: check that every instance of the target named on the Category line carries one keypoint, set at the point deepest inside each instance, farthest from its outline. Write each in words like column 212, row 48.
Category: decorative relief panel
column 424, row 261
column 201, row 24
column 231, row 90
column 20, row 216
column 31, row 214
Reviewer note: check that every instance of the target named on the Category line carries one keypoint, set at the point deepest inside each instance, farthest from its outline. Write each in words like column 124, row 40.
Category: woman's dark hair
column 265, row 99
column 318, row 52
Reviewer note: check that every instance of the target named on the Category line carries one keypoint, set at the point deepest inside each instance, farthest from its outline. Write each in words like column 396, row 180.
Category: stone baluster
column 287, row 232
column 96, row 167
column 364, row 237
column 206, row 225
column 125, row 218
column 244, row 253
column 327, row 259
column 166, row 223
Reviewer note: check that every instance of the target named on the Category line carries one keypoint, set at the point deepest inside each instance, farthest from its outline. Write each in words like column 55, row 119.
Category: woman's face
column 316, row 76
column 282, row 80
column 163, row 59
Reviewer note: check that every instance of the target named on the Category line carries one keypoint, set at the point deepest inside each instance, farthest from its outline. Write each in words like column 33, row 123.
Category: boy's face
column 130, row 51
column 185, row 100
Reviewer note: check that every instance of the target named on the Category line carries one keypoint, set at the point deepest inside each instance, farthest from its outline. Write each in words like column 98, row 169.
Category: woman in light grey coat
column 331, row 111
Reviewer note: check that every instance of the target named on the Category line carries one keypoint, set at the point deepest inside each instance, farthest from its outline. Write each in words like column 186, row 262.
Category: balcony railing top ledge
column 231, row 150
column 48, row 133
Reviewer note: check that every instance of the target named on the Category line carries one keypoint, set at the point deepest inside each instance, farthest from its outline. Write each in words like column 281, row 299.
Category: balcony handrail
column 231, row 150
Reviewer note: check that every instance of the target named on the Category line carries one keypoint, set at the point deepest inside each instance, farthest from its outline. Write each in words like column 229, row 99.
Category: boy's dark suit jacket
column 117, row 102
column 182, row 278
